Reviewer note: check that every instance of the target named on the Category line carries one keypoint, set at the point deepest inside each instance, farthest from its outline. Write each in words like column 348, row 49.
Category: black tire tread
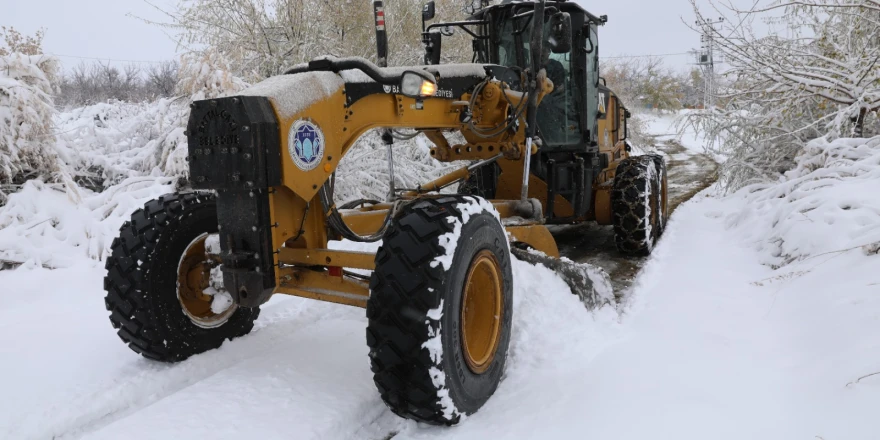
column 133, row 312
column 630, row 220
column 400, row 299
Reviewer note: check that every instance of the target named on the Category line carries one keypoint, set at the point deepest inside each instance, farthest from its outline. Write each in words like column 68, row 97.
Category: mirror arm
column 461, row 24
column 548, row 10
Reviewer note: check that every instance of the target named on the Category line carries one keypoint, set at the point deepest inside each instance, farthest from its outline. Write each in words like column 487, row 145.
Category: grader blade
column 590, row 283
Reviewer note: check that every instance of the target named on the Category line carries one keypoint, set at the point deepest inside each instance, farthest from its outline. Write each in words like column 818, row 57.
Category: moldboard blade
column 590, row 283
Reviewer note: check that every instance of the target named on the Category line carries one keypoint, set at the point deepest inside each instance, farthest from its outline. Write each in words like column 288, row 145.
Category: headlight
column 417, row 84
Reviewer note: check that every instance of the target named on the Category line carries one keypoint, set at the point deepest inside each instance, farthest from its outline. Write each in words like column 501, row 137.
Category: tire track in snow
column 153, row 382
column 315, row 383
column 688, row 174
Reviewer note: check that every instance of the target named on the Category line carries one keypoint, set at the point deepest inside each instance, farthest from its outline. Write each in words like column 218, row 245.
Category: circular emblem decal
column 305, row 143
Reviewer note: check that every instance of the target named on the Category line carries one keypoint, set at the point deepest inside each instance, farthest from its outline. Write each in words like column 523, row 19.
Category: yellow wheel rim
column 193, row 277
column 481, row 312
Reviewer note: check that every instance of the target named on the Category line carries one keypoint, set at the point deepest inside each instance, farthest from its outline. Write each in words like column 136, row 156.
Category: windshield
column 558, row 121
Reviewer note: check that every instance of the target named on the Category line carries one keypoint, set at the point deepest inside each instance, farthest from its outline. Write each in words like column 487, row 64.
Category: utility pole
column 706, row 59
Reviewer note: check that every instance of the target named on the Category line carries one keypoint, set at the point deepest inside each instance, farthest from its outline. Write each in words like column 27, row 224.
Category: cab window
column 558, row 121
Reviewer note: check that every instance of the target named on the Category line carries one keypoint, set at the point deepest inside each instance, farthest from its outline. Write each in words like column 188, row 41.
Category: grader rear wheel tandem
column 191, row 270
column 639, row 203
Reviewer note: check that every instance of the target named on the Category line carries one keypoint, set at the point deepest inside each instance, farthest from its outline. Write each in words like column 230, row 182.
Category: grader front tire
column 142, row 283
column 439, row 325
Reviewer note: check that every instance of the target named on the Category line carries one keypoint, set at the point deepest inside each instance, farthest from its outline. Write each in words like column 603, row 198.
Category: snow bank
column 45, row 225
column 828, row 204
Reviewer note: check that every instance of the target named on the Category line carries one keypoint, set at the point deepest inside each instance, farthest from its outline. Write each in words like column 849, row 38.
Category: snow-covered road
column 706, row 349
column 690, row 171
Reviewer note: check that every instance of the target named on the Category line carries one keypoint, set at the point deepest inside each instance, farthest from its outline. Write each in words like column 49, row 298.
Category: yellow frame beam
column 327, row 257
column 307, row 283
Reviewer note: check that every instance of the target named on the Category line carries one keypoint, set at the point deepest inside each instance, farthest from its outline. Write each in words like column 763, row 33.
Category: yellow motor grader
column 546, row 144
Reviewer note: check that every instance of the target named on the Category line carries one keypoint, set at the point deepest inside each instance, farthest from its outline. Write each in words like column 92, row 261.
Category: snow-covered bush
column 27, row 141
column 363, row 173
column 827, row 204
column 109, row 158
column 107, row 143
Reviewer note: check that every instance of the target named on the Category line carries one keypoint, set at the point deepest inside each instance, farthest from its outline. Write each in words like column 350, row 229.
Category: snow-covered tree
column 692, row 88
column 261, row 38
column 207, row 75
column 16, row 42
column 816, row 72
column 644, row 81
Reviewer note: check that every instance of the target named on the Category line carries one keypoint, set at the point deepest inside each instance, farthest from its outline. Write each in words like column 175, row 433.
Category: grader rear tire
column 638, row 204
column 439, row 322
column 663, row 200
column 143, row 282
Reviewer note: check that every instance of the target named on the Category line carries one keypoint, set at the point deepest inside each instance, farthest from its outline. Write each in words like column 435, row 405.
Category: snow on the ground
column 716, row 345
column 303, row 373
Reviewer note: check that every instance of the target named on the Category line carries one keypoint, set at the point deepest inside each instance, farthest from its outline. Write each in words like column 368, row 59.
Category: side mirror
column 560, row 33
column 428, row 11
column 417, row 84
column 433, row 45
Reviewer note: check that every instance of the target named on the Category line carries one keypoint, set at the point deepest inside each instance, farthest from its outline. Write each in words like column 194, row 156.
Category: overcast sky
column 105, row 29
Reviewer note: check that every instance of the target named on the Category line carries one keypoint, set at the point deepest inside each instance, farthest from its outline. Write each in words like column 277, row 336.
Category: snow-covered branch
column 815, row 73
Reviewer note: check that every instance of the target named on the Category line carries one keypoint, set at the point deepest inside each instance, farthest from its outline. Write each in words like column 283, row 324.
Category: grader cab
column 545, row 143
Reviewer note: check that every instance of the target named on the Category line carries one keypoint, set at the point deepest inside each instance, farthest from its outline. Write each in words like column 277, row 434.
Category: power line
column 660, row 55
column 106, row 59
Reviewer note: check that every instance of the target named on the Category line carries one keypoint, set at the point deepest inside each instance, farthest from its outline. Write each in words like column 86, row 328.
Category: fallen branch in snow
column 863, row 377
column 870, row 249
column 12, row 264
column 785, row 276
